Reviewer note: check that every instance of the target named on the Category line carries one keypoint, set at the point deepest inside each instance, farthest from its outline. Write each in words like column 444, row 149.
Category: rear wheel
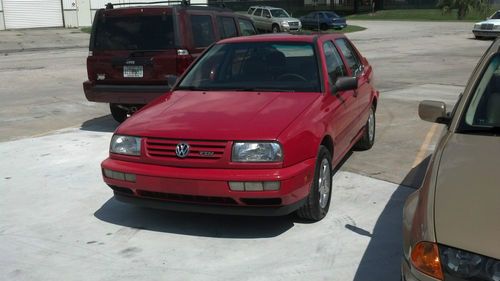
column 366, row 142
column 276, row 28
column 119, row 114
column 323, row 26
column 318, row 201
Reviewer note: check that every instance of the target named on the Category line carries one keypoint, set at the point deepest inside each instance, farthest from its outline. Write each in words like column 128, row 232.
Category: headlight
column 257, row 152
column 125, row 145
column 496, row 27
column 468, row 266
column 284, row 23
column 477, row 26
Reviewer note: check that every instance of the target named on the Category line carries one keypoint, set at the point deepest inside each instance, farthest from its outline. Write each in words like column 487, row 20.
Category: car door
column 364, row 93
column 308, row 20
column 267, row 19
column 257, row 18
column 339, row 106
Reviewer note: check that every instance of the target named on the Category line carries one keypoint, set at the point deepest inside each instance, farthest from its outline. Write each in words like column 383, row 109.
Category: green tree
column 462, row 6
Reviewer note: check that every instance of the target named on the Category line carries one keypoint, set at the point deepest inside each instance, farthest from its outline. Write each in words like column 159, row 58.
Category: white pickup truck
column 272, row 19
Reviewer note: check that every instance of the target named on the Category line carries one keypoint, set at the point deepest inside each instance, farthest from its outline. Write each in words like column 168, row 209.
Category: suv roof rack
column 182, row 2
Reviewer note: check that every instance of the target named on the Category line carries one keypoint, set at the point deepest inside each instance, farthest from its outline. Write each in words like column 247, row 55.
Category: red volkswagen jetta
column 255, row 126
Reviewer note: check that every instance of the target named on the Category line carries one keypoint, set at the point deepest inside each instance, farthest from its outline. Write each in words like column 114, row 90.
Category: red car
column 254, row 127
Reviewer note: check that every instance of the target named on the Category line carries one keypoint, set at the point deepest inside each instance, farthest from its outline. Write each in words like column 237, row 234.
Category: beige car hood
column 467, row 202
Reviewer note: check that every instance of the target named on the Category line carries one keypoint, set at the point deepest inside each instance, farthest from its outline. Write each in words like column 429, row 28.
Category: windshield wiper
column 193, row 88
column 250, row 89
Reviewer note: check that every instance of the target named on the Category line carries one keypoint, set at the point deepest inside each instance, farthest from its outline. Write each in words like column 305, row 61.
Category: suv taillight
column 183, row 61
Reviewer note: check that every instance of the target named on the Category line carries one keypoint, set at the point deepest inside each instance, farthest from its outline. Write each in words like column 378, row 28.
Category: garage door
column 32, row 13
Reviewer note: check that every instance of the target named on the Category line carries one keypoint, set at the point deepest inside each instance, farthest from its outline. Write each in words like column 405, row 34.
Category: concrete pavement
column 59, row 222
column 20, row 40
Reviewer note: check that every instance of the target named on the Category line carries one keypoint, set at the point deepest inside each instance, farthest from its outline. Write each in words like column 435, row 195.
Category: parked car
column 490, row 28
column 253, row 127
column 323, row 20
column 135, row 51
column 271, row 19
column 451, row 225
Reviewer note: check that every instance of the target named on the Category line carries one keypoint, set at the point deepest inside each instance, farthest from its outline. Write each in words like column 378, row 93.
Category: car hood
column 219, row 115
column 496, row 22
column 467, row 202
column 286, row 19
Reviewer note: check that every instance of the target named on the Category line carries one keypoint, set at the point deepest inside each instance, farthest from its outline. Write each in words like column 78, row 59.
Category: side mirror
column 433, row 111
column 345, row 84
column 171, row 80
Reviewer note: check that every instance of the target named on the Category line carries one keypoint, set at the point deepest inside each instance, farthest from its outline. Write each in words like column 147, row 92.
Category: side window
column 202, row 30
column 350, row 56
column 227, row 27
column 334, row 63
column 266, row 13
column 317, row 16
column 258, row 12
column 246, row 27
column 250, row 10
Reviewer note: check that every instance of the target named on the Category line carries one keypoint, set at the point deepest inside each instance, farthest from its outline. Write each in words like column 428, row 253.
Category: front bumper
column 123, row 94
column 486, row 33
column 408, row 273
column 207, row 190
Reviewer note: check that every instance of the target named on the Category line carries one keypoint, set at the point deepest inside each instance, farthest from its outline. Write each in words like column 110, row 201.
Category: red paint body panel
column 298, row 121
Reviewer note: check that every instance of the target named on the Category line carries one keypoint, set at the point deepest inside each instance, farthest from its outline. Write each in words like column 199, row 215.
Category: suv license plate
column 133, row 71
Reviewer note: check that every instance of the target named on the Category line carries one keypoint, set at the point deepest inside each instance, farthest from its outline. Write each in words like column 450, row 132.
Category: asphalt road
column 59, row 220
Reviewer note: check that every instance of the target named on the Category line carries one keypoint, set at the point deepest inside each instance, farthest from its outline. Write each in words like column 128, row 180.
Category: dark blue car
column 323, row 20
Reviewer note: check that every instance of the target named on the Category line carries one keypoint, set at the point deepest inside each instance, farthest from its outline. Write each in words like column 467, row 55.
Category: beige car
column 451, row 225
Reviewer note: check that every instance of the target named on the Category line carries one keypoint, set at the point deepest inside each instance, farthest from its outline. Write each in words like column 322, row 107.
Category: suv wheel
column 118, row 113
column 276, row 28
column 323, row 26
column 318, row 200
column 366, row 142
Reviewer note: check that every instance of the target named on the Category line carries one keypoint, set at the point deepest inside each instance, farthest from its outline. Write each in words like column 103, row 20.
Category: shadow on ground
column 382, row 257
column 194, row 224
column 101, row 124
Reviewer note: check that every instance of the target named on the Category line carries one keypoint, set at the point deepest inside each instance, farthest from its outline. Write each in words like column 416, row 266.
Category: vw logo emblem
column 182, row 150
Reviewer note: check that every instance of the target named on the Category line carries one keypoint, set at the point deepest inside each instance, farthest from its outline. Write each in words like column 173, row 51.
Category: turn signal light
column 119, row 175
column 254, row 186
column 425, row 258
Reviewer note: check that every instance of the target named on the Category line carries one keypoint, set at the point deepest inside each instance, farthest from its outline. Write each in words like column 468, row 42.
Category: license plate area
column 133, row 71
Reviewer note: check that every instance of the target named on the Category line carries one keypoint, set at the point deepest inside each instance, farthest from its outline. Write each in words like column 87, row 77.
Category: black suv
column 136, row 52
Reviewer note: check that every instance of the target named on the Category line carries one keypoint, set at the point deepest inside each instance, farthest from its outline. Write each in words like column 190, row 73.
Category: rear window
column 139, row 32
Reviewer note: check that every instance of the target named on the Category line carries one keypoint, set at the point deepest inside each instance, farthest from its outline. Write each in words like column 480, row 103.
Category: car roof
column 176, row 6
column 279, row 37
column 266, row 7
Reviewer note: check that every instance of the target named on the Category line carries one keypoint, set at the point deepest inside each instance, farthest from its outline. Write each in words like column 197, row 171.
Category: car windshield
column 151, row 32
column 495, row 16
column 279, row 13
column 483, row 110
column 256, row 66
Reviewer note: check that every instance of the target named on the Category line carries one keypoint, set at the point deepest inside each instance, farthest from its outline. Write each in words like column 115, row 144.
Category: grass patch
column 86, row 29
column 348, row 29
column 420, row 15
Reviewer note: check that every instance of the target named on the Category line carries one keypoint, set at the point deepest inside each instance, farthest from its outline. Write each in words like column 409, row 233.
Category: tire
column 318, row 201
column 118, row 113
column 368, row 139
column 275, row 28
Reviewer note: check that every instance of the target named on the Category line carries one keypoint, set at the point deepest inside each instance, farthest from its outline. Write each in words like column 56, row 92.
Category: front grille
column 294, row 23
column 187, row 198
column 487, row 26
column 165, row 149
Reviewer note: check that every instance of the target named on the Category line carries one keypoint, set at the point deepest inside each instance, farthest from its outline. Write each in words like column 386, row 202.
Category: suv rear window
column 141, row 32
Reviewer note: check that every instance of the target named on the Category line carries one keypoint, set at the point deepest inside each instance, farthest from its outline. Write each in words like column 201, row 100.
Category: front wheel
column 276, row 28
column 318, row 201
column 368, row 139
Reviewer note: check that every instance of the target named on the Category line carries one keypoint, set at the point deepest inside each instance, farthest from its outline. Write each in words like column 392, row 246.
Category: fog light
column 130, row 177
column 119, row 175
column 236, row 186
column 271, row 185
column 254, row 186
